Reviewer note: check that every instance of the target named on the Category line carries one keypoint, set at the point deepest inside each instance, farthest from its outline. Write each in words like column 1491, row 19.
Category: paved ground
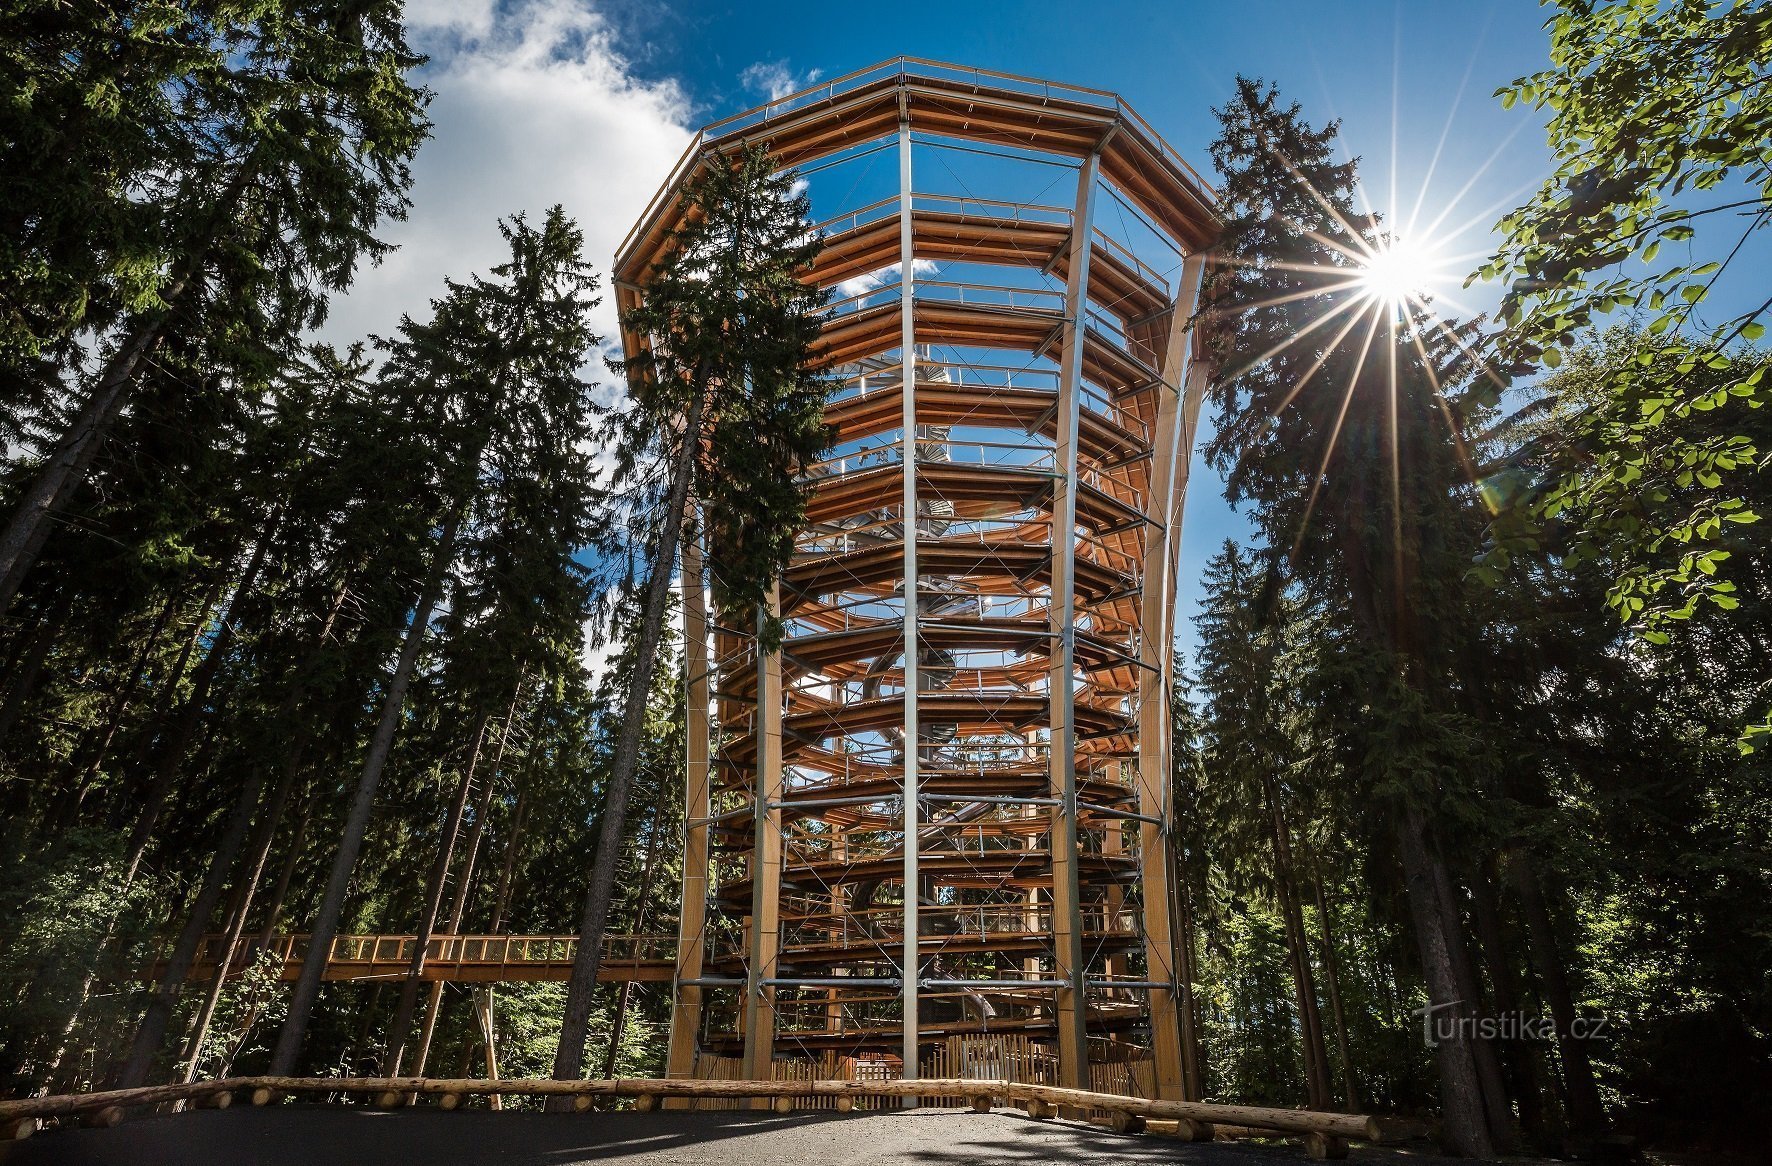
column 319, row 1135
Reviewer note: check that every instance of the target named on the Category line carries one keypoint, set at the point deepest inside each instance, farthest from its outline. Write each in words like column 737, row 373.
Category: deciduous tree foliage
column 1658, row 119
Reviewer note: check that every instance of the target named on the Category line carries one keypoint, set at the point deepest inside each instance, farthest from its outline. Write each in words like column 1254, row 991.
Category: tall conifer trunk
column 1461, row 1092
column 307, row 986
column 1586, row 1114
column 581, row 989
column 618, row 1025
column 427, row 923
column 1316, row 1058
column 177, row 742
column 21, row 540
column 465, row 881
column 230, row 945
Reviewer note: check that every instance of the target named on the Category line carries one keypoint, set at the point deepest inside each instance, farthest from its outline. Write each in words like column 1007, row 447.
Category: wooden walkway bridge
column 475, row 959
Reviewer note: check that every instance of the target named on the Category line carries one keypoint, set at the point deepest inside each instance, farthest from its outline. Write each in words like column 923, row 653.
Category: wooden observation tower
column 935, row 824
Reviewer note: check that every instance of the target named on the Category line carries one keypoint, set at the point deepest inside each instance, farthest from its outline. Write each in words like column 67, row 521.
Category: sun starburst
column 1400, row 270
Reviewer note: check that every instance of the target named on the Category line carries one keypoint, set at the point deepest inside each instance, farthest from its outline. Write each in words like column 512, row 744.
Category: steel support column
column 911, row 963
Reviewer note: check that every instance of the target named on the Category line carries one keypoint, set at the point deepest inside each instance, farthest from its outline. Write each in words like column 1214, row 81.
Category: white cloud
column 535, row 105
column 855, row 285
column 774, row 79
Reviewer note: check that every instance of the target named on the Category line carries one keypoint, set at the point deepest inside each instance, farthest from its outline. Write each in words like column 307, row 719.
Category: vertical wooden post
column 766, row 859
column 692, row 915
column 488, row 1030
column 1113, row 843
column 910, row 960
column 1156, row 661
column 1067, row 926
column 833, row 1009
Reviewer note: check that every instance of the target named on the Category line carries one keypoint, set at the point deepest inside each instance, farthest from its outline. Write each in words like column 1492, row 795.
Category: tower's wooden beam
column 1067, row 921
column 1156, row 647
column 686, row 1004
column 766, row 859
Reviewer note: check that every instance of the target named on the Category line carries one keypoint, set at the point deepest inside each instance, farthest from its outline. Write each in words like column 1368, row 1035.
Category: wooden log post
column 262, row 1096
column 449, row 1101
column 784, row 1104
column 981, row 1103
column 1071, row 964
column 103, row 1119
column 1189, row 1130
column 220, row 1099
column 1325, row 1146
column 646, row 1102
column 1122, row 1122
column 845, row 1104
column 582, row 1103
column 17, row 1129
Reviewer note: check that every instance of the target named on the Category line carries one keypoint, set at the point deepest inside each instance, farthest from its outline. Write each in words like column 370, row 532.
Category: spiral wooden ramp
column 941, row 810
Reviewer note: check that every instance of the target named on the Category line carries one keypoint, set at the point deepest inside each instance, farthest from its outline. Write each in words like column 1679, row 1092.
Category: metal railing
column 906, row 69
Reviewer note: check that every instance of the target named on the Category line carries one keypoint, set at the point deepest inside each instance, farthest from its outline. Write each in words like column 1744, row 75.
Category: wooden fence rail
column 1325, row 1134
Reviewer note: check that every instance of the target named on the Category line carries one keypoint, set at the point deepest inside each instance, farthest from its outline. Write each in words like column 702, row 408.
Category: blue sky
column 589, row 102
column 1412, row 84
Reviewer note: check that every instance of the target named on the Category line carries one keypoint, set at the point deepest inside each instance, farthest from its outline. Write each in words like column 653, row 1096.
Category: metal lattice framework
column 942, row 808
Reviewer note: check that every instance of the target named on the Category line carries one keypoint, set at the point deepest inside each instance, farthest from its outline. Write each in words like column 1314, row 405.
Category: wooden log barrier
column 1036, row 1099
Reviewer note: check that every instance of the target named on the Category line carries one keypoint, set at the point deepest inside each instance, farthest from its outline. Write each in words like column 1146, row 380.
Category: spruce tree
column 496, row 365
column 724, row 411
column 1337, row 427
column 285, row 146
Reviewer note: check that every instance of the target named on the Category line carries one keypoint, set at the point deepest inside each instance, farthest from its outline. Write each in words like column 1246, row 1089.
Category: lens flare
column 1398, row 271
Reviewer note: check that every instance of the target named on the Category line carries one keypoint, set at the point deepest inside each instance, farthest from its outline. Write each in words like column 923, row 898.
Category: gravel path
column 304, row 1135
